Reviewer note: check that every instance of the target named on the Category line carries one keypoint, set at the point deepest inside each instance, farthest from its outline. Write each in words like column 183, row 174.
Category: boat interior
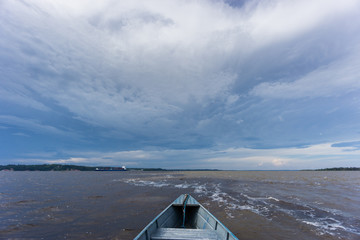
column 186, row 219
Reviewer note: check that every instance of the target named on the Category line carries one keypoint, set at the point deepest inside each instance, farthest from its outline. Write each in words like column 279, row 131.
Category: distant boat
column 186, row 219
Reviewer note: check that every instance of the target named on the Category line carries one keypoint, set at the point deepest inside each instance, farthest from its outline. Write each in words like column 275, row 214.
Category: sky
column 225, row 84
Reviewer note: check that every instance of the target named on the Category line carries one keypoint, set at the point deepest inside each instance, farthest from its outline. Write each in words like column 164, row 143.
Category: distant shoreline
column 60, row 167
column 339, row 169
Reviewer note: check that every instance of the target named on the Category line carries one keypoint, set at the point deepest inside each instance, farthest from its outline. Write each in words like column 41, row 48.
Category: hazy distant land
column 340, row 169
column 46, row 167
column 60, row 167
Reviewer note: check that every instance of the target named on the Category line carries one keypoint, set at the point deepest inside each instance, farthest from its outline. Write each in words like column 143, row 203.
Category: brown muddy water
column 117, row 205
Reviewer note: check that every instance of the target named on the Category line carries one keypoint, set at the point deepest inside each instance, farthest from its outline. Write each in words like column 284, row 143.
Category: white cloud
column 248, row 161
column 315, row 156
column 21, row 134
column 69, row 161
column 21, row 97
column 134, row 75
column 172, row 72
column 279, row 162
column 282, row 20
column 134, row 155
column 162, row 55
column 164, row 47
column 338, row 78
column 33, row 126
column 312, row 157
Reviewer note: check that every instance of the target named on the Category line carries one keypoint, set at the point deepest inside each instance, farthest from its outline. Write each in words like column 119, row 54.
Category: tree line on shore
column 46, row 167
column 61, row 167
column 340, row 169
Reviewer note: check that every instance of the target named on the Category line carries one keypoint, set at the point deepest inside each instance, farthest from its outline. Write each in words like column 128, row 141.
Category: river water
column 117, row 205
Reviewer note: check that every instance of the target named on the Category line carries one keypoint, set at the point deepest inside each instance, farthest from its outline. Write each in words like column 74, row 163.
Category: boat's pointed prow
column 190, row 201
column 185, row 218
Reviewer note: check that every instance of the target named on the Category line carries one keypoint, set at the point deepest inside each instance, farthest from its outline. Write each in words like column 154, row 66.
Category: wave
column 329, row 221
column 138, row 182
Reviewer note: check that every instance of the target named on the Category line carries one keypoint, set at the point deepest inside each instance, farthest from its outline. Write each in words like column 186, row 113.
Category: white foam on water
column 244, row 207
column 230, row 203
column 229, row 214
column 319, row 202
column 184, row 185
column 272, row 198
column 201, row 189
column 213, row 191
column 324, row 227
column 266, row 206
column 216, row 195
column 330, row 226
column 259, row 198
column 138, row 182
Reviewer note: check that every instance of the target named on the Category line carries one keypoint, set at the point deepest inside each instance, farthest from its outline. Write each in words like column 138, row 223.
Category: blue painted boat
column 185, row 219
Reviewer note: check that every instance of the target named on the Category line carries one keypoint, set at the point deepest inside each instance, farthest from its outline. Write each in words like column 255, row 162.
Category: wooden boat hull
column 184, row 219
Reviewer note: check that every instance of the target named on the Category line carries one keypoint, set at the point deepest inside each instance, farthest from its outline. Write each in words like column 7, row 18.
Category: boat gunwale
column 152, row 222
column 218, row 222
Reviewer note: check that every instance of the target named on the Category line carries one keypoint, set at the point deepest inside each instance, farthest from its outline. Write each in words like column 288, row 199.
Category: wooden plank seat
column 184, row 234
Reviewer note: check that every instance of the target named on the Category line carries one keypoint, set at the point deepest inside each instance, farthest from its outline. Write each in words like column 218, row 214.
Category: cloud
column 279, row 162
column 311, row 157
column 349, row 146
column 21, row 97
column 336, row 79
column 137, row 76
column 33, row 126
column 273, row 21
column 185, row 76
column 87, row 162
column 20, row 134
column 69, row 161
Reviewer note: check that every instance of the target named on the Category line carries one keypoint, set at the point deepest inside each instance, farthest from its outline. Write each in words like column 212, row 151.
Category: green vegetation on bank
column 170, row 170
column 60, row 167
column 46, row 167
column 339, row 169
